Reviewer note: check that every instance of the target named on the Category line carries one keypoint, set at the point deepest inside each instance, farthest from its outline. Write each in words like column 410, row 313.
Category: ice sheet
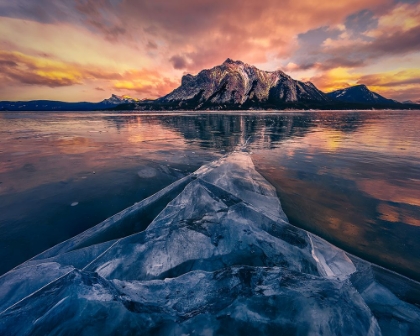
column 212, row 254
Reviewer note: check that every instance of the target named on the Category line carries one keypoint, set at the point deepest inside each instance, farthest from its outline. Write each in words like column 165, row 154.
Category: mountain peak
column 358, row 94
column 116, row 100
column 361, row 86
column 231, row 61
column 237, row 84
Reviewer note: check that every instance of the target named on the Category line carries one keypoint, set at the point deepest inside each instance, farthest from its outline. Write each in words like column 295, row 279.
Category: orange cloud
column 147, row 83
column 397, row 84
column 99, row 43
column 21, row 68
column 18, row 68
column 335, row 79
column 204, row 33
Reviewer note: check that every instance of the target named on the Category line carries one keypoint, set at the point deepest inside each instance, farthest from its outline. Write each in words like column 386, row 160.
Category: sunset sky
column 84, row 50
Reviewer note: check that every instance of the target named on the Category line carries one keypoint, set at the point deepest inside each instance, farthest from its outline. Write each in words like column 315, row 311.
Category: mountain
column 233, row 85
column 411, row 102
column 359, row 94
column 116, row 100
column 52, row 105
column 237, row 84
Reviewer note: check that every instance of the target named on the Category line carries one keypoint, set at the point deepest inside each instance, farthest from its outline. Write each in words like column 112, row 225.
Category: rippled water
column 351, row 177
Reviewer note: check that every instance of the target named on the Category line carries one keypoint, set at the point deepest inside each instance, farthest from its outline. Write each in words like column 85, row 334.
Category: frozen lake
column 353, row 178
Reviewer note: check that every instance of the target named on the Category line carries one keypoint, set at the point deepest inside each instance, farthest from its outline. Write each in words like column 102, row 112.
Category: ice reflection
column 51, row 161
column 360, row 190
column 351, row 177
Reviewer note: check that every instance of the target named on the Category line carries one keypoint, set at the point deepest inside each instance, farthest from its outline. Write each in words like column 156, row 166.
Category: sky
column 85, row 50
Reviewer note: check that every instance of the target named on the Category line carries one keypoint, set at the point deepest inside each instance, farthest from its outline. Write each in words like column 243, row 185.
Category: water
column 350, row 177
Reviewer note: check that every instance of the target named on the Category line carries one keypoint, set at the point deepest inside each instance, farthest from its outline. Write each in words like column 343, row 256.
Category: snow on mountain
column 359, row 94
column 116, row 100
column 238, row 83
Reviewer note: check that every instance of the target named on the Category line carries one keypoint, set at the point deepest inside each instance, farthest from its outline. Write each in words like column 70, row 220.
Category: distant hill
column 116, row 100
column 233, row 85
column 359, row 94
column 51, row 105
column 411, row 102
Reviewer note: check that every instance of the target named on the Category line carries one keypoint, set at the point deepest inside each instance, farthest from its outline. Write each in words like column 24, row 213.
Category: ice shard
column 211, row 254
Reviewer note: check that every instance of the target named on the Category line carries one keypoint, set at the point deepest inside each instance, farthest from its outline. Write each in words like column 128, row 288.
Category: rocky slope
column 235, row 83
column 211, row 254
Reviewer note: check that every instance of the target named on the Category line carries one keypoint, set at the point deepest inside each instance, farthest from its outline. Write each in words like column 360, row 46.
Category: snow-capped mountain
column 116, row 100
column 359, row 94
column 232, row 85
column 235, row 83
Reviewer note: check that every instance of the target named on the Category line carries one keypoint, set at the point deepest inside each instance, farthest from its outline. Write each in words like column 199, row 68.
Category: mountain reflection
column 350, row 177
column 225, row 132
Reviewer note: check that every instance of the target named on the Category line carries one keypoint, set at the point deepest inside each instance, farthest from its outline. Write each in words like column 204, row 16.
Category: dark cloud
column 357, row 54
column 315, row 37
column 387, row 44
column 45, row 11
column 393, row 43
column 178, row 62
column 7, row 63
column 245, row 30
column 407, row 1
column 151, row 45
column 332, row 63
column 191, row 35
column 311, row 51
column 360, row 22
column 35, row 79
column 102, row 16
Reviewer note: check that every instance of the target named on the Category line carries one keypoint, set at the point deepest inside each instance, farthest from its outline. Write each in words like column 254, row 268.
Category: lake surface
column 353, row 178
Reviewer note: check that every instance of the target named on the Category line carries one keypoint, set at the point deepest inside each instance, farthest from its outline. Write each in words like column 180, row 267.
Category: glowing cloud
column 75, row 47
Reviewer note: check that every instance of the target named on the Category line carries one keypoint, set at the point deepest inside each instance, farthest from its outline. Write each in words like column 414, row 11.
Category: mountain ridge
column 240, row 84
column 359, row 94
column 235, row 85
column 232, row 85
column 55, row 105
